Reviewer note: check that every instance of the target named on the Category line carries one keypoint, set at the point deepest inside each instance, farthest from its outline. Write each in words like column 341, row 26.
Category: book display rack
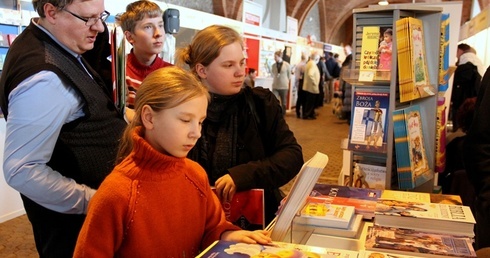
column 371, row 73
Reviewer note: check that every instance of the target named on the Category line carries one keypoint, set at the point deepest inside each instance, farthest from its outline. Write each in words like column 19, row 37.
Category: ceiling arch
column 335, row 15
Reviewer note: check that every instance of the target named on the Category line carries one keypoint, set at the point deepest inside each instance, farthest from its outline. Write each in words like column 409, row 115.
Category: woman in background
column 245, row 141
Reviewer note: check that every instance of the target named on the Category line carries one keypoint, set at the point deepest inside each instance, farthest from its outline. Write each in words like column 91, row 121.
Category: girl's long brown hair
column 162, row 89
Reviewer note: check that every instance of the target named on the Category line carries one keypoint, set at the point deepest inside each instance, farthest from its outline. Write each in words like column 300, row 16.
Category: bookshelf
column 386, row 16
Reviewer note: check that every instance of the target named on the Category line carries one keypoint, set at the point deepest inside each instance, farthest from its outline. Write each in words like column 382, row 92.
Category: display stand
column 386, row 16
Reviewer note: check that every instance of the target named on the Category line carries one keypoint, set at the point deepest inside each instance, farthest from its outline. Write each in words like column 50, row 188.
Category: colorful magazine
column 363, row 199
column 369, row 130
column 411, row 155
column 277, row 249
column 418, row 243
column 413, row 76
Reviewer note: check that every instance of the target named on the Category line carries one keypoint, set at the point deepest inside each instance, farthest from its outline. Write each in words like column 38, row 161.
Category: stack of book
column 319, row 216
column 410, row 223
column 417, row 243
column 362, row 199
column 412, row 63
column 411, row 156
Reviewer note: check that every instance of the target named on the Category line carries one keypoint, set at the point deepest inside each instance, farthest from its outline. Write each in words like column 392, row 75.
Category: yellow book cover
column 404, row 60
column 369, row 53
column 414, row 77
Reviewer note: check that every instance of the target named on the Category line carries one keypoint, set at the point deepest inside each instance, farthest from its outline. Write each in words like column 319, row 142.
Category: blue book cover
column 368, row 130
column 444, row 55
column 411, row 156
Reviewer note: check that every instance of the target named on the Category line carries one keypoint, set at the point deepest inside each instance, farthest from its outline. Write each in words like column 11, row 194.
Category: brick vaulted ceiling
column 335, row 15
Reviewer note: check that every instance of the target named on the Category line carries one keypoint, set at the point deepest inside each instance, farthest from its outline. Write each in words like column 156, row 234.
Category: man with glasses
column 62, row 126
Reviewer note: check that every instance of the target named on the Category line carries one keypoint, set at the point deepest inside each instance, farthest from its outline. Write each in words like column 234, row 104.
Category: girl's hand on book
column 249, row 237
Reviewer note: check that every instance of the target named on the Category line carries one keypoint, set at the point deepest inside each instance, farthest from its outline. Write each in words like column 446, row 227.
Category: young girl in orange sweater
column 156, row 202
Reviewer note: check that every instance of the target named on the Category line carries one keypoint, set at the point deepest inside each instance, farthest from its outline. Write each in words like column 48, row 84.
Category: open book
column 302, row 186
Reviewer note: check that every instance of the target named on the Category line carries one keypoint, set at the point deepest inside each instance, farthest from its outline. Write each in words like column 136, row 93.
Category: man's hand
column 225, row 188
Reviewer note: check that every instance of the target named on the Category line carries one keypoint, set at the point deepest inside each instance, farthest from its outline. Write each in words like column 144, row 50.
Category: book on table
column 246, row 209
column 294, row 201
column 362, row 199
column 368, row 131
column 418, row 243
column 352, row 231
column 430, row 217
column 379, row 254
column 411, row 156
column 222, row 248
column 399, row 195
column 319, row 212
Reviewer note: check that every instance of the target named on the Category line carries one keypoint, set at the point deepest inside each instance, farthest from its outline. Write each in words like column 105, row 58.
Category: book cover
column 352, row 231
column 277, row 249
column 369, row 53
column 413, row 76
column 422, row 197
column 431, row 217
column 246, row 209
column 362, row 199
column 419, row 243
column 379, row 254
column 294, row 201
column 319, row 212
column 368, row 130
column 411, row 156
column 444, row 54
column 366, row 175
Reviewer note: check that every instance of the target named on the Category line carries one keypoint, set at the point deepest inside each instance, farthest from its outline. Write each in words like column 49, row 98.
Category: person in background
column 454, row 179
column 143, row 28
column 62, row 125
column 299, row 73
column 250, row 78
column 156, row 201
column 310, row 86
column 345, row 86
column 333, row 69
column 467, row 79
column 281, row 73
column 324, row 76
column 246, row 142
column 476, row 159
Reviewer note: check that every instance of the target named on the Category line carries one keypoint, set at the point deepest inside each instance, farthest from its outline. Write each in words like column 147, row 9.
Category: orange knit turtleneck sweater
column 152, row 205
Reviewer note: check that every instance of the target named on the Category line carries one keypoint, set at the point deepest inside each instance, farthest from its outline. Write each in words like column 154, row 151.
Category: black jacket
column 477, row 144
column 268, row 155
column 465, row 84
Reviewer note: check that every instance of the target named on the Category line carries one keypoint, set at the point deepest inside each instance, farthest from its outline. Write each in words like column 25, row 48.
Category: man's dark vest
column 86, row 148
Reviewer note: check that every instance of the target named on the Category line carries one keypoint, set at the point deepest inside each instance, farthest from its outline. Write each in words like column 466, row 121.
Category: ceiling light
column 383, row 2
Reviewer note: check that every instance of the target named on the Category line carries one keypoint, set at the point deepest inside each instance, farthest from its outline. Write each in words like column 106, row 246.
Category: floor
column 323, row 134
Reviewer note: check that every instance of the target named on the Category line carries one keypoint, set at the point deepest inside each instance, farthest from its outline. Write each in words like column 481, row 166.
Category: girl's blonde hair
column 136, row 12
column 164, row 88
column 206, row 46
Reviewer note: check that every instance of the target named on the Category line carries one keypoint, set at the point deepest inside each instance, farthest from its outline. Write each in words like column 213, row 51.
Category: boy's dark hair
column 251, row 70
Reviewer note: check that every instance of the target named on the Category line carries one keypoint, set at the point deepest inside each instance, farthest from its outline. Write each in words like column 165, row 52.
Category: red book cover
column 246, row 209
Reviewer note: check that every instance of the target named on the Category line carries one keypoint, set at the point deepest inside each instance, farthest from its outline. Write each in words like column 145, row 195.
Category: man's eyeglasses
column 91, row 21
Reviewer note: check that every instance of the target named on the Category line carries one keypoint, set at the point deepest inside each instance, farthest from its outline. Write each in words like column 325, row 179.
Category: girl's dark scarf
column 222, row 119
